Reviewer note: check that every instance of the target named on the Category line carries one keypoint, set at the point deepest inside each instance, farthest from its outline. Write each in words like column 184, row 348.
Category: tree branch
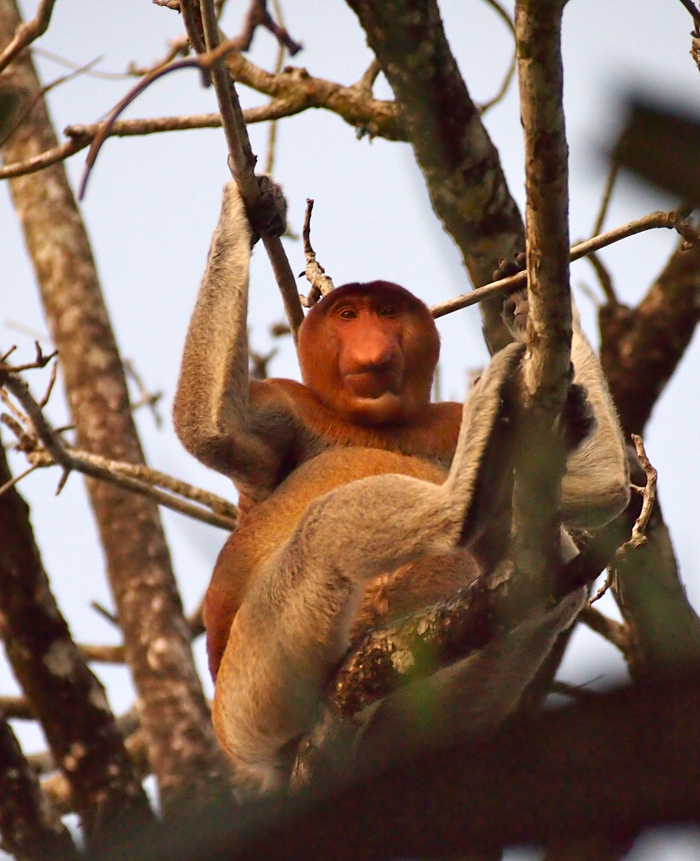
column 26, row 33
column 242, row 164
column 137, row 478
column 64, row 694
column 615, row 765
column 541, row 461
column 30, row 826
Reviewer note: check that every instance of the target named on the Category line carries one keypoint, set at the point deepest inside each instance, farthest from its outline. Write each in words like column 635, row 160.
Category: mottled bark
column 29, row 827
column 541, row 463
column 640, row 350
column 182, row 747
column 65, row 696
column 460, row 164
column 641, row 347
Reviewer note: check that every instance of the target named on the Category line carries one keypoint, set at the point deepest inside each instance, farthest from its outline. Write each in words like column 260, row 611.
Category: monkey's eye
column 389, row 311
column 347, row 314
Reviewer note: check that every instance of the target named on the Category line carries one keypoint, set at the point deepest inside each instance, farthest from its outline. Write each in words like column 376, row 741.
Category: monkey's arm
column 213, row 414
column 595, row 488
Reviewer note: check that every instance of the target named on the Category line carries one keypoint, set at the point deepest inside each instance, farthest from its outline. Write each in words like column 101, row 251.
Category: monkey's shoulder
column 432, row 435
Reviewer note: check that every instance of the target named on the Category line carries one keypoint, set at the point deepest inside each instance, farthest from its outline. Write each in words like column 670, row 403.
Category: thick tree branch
column 541, row 463
column 64, row 694
column 182, row 748
column 641, row 347
column 30, row 827
column 613, row 766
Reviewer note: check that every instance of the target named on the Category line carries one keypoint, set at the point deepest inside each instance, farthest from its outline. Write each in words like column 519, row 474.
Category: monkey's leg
column 293, row 625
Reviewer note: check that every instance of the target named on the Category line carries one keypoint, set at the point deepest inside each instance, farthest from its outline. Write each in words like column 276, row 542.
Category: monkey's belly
column 270, row 524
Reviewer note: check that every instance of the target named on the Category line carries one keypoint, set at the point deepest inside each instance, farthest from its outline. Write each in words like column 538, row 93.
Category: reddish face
column 369, row 351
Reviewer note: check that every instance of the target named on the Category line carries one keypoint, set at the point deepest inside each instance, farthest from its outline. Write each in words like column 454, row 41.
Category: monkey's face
column 369, row 352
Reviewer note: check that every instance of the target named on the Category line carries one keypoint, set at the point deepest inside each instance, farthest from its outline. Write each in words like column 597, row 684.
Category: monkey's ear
column 269, row 214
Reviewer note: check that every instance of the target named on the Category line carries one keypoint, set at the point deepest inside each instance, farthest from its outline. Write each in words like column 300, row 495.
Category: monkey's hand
column 514, row 306
column 268, row 215
column 577, row 420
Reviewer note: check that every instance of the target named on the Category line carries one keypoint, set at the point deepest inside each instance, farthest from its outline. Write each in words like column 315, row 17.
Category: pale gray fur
column 293, row 624
column 596, row 485
column 211, row 411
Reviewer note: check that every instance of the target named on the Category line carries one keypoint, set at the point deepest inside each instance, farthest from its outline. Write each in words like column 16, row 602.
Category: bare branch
column 614, row 632
column 649, row 496
column 604, row 278
column 613, row 171
column 256, row 16
column 541, row 463
column 27, row 32
column 103, row 654
column 694, row 11
column 137, row 478
column 670, row 220
column 30, row 827
column 503, row 89
column 321, row 284
column 242, row 163
column 369, row 76
column 17, row 707
column 293, row 91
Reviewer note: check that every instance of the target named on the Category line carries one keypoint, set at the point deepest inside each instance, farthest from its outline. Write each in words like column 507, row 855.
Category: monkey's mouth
column 372, row 384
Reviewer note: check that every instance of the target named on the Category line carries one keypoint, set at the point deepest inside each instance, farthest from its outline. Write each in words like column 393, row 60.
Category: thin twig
column 27, row 108
column 369, row 76
column 180, row 46
column 607, row 583
column 242, row 163
column 146, row 398
column 613, row 171
column 256, row 16
column 133, row 477
column 272, row 130
column 671, row 220
column 76, row 67
column 26, row 33
column 649, row 497
column 105, row 613
column 503, row 89
column 321, row 284
column 103, row 654
column 614, row 632
column 202, row 61
column 17, row 708
column 17, row 478
column 580, row 693
column 604, row 278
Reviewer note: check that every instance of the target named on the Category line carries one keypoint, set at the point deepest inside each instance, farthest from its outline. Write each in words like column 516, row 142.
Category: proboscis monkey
column 362, row 501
